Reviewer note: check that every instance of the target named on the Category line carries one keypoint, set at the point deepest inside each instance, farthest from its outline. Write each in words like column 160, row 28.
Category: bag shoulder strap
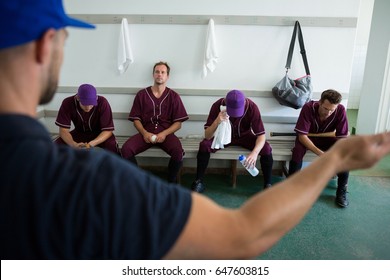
column 297, row 28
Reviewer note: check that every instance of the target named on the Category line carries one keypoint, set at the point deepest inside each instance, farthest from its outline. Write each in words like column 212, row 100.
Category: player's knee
column 177, row 155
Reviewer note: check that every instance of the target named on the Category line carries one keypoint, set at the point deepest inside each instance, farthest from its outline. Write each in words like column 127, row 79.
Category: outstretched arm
column 215, row 232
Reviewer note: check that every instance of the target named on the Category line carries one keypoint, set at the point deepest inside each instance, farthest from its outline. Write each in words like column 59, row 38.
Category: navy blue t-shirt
column 62, row 203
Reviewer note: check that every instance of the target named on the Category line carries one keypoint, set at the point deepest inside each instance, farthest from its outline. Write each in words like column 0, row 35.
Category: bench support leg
column 285, row 168
column 233, row 167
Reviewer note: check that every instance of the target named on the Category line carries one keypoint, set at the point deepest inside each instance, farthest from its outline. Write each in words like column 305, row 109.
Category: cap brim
column 79, row 23
column 235, row 113
column 88, row 102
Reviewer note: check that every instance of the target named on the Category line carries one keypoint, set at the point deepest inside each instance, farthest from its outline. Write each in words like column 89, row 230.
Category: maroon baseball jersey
column 157, row 114
column 309, row 120
column 92, row 122
column 250, row 120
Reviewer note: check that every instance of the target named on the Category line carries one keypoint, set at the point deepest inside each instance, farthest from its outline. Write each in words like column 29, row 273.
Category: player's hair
column 162, row 63
column 333, row 96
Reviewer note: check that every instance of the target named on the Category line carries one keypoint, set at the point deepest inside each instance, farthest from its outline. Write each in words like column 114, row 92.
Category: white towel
column 125, row 54
column 222, row 135
column 211, row 52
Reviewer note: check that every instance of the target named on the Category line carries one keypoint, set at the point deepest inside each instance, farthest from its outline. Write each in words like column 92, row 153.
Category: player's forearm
column 305, row 140
column 139, row 127
column 103, row 136
column 260, row 141
column 323, row 134
column 67, row 137
column 209, row 132
column 173, row 128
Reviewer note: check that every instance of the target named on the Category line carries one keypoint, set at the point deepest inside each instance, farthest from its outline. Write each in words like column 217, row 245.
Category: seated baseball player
column 325, row 115
column 157, row 113
column 247, row 131
column 91, row 116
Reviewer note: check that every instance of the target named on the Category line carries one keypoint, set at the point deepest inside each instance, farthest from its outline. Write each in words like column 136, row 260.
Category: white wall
column 252, row 57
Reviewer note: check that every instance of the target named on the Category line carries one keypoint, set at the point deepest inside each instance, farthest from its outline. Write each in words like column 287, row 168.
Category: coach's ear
column 44, row 46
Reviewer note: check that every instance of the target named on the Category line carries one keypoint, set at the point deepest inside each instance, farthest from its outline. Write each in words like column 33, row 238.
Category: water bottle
column 253, row 171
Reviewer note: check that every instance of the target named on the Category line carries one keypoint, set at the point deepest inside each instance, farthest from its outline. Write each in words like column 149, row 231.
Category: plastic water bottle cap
column 241, row 157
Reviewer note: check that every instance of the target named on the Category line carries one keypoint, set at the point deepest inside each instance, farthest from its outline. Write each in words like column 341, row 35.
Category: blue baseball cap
column 22, row 21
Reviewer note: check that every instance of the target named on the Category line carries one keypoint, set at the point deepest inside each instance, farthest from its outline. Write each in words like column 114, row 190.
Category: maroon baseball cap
column 87, row 95
column 235, row 103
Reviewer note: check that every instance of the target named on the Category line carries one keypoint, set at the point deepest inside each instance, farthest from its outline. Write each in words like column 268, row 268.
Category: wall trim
column 219, row 19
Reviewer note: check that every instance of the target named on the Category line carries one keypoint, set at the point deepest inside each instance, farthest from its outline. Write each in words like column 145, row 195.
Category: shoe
column 341, row 197
column 198, row 186
column 267, row 186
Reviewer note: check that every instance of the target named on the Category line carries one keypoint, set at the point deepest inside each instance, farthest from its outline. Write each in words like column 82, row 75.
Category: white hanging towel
column 125, row 54
column 222, row 135
column 211, row 52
